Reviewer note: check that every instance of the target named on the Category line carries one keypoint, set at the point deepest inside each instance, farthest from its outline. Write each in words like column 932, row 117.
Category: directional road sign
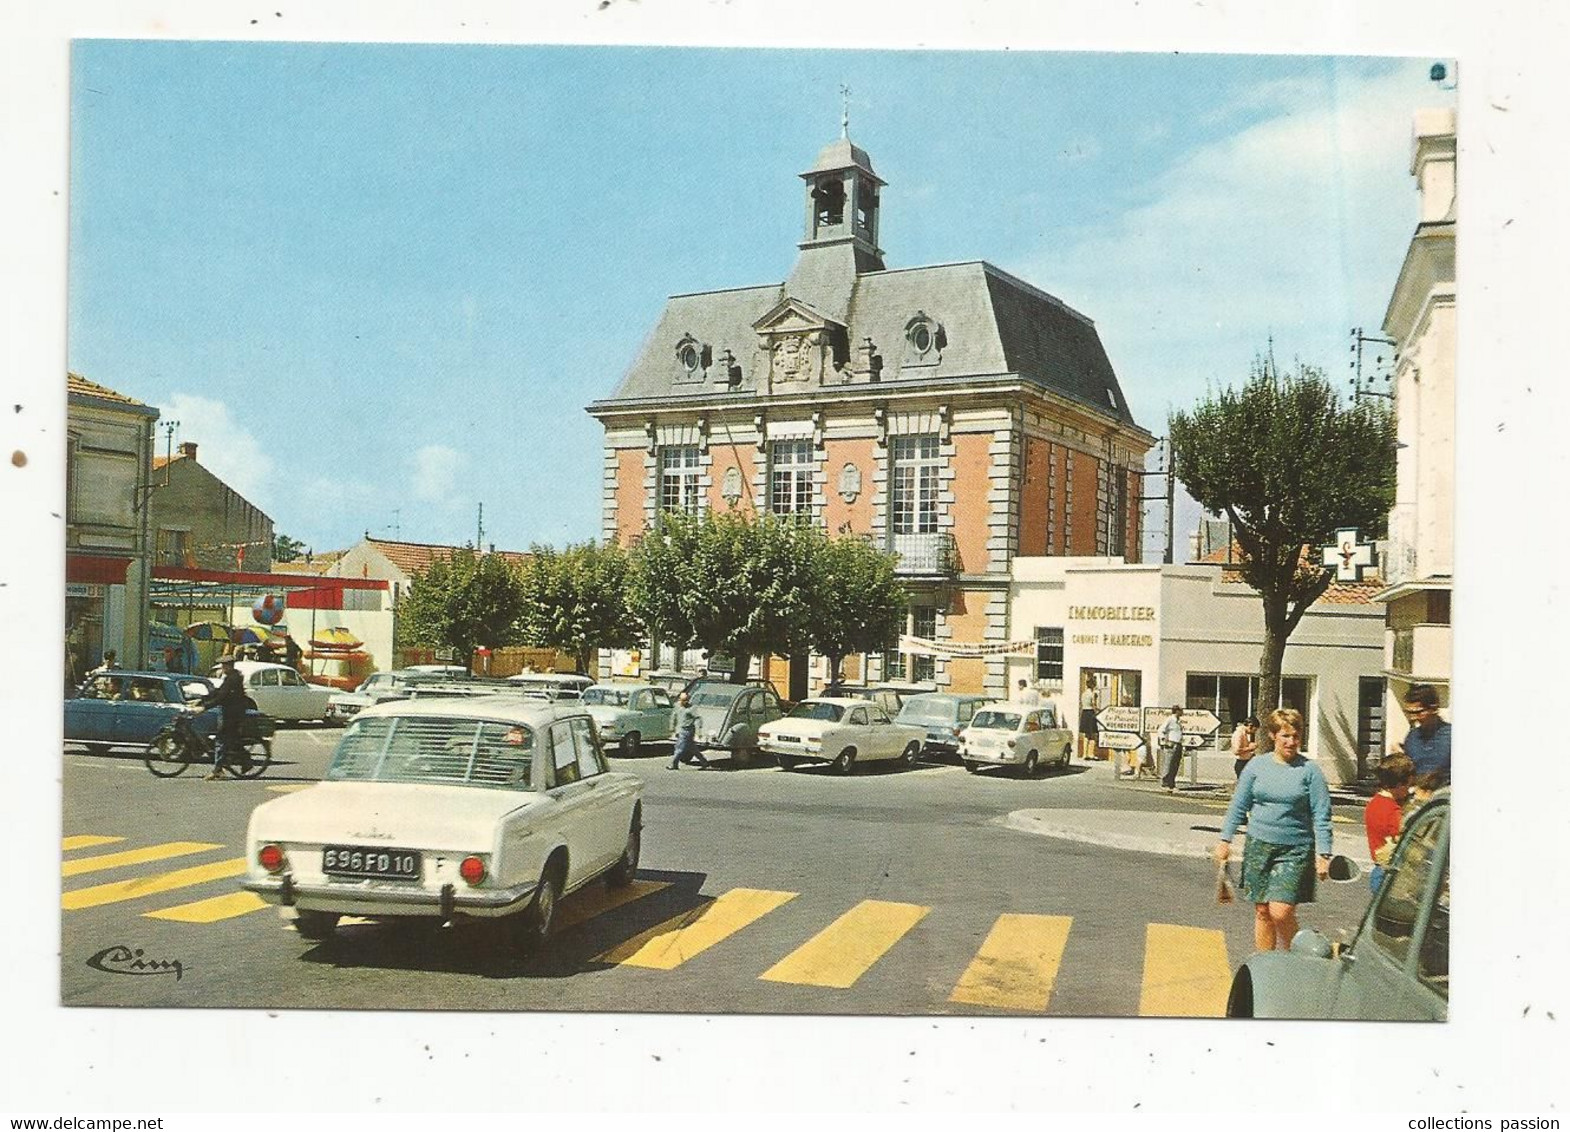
column 1119, row 740
column 1118, row 719
column 1201, row 722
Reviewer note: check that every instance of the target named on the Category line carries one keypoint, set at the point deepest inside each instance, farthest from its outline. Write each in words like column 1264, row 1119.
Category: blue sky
column 378, row 283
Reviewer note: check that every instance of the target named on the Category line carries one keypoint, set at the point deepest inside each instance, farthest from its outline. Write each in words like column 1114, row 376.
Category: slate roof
column 995, row 325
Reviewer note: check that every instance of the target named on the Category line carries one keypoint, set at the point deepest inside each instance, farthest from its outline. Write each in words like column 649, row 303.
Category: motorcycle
column 180, row 745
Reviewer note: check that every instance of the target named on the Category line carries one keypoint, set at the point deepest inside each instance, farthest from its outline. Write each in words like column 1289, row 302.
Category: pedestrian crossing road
column 1186, row 969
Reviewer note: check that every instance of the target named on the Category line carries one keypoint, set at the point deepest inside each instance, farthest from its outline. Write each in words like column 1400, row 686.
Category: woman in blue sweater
column 1287, row 803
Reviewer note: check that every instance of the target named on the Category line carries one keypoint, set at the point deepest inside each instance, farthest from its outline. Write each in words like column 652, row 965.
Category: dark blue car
column 119, row 708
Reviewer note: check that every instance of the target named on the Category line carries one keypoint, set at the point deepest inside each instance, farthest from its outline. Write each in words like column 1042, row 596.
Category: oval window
column 921, row 338
column 689, row 357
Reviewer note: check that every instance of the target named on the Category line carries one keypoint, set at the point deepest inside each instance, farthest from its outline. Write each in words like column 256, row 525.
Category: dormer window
column 693, row 358
column 925, row 340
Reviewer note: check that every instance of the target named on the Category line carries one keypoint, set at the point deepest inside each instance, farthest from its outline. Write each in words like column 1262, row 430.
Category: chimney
column 188, row 449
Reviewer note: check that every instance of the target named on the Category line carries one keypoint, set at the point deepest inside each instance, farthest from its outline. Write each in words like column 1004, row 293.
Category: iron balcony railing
column 929, row 555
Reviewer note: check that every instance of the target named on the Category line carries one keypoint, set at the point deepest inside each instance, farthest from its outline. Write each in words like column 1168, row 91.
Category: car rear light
column 472, row 870
column 270, row 857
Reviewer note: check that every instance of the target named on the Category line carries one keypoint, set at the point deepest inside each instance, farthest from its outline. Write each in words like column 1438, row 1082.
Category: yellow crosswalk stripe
column 842, row 952
column 149, row 886
column 1186, row 973
column 667, row 946
column 1017, row 964
column 86, row 841
column 211, row 910
column 134, row 857
column 585, row 906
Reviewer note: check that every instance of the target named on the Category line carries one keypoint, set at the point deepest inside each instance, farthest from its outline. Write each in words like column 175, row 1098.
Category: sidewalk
column 1191, row 834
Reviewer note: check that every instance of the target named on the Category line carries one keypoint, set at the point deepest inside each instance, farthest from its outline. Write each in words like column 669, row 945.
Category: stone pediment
column 793, row 316
column 796, row 347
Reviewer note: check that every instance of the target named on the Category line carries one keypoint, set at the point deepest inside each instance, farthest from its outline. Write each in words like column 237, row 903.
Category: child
column 1423, row 789
column 1382, row 815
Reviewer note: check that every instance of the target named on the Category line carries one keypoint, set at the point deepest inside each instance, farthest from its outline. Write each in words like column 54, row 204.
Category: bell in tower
column 842, row 203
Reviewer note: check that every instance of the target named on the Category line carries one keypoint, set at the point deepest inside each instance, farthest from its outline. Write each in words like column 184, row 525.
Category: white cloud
column 1292, row 227
column 225, row 446
column 436, row 472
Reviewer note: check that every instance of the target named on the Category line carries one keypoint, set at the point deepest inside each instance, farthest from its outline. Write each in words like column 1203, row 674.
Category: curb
column 1042, row 824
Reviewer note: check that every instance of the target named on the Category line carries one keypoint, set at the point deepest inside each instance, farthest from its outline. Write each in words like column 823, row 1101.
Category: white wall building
column 1153, row 636
column 1421, row 320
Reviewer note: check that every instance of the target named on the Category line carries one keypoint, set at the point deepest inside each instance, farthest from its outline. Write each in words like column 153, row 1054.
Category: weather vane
column 844, row 111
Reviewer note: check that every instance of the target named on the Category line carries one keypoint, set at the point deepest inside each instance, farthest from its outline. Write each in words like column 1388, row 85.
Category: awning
column 101, row 569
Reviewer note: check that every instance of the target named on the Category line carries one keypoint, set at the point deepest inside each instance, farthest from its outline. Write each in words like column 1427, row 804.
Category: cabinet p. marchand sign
column 1112, row 613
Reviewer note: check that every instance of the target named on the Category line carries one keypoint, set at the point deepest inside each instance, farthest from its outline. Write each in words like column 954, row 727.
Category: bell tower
column 842, row 203
column 840, row 241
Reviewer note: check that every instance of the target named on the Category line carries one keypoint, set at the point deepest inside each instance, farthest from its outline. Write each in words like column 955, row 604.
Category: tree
column 1290, row 465
column 728, row 583
column 859, row 603
column 460, row 602
column 575, row 599
column 286, row 549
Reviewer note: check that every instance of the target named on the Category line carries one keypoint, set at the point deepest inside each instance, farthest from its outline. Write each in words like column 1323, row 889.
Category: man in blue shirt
column 1427, row 744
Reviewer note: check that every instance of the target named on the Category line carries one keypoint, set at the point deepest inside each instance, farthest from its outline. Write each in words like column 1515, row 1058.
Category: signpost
column 1125, row 729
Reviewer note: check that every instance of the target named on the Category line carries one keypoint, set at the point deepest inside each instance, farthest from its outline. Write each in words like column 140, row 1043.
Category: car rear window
column 831, row 713
column 997, row 720
column 718, row 697
column 439, row 750
column 934, row 711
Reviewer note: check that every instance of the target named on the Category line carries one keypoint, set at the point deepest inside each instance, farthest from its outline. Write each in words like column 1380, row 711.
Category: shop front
column 1151, row 636
column 95, row 605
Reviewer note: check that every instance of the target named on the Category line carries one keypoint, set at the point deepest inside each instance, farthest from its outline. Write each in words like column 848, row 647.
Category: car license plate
column 379, row 864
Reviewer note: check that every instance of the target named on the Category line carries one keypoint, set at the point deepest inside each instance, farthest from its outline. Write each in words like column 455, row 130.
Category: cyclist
column 230, row 700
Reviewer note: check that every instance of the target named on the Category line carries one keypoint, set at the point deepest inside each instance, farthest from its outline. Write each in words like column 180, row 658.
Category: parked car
column 122, row 708
column 280, row 691
column 375, row 688
column 629, row 714
column 673, row 681
column 551, row 685
column 842, row 731
column 437, row 669
column 1397, row 966
column 1010, row 734
column 890, row 697
column 453, row 810
column 729, row 716
column 943, row 715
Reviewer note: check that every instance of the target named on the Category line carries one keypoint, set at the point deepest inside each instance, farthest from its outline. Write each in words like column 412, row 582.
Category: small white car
column 551, row 685
column 451, row 809
column 374, row 689
column 841, row 731
column 1016, row 735
column 280, row 691
column 630, row 715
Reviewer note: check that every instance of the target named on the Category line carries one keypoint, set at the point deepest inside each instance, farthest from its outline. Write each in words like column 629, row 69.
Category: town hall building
column 954, row 414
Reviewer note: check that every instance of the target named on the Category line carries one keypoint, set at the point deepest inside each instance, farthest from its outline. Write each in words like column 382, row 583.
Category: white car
column 374, row 689
column 551, row 685
column 280, row 691
column 1016, row 735
column 840, row 731
column 488, row 808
